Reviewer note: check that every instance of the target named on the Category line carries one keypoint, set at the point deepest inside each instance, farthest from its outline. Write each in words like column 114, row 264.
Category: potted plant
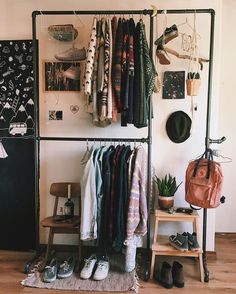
column 167, row 187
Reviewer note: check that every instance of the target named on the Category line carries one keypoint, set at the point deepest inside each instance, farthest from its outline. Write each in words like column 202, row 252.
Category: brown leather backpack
column 203, row 182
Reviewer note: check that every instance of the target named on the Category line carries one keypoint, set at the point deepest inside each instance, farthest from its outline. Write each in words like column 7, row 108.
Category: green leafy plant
column 193, row 75
column 166, row 186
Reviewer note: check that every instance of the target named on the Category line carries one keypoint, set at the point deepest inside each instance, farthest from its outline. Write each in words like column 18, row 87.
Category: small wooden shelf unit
column 160, row 248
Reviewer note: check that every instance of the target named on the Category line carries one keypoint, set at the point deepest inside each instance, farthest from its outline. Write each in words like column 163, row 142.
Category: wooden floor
column 222, row 273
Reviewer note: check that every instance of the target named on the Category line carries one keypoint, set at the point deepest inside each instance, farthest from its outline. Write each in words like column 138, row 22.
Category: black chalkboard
column 17, row 173
column 17, row 196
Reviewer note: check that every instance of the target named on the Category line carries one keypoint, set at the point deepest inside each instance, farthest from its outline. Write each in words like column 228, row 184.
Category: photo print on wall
column 16, row 88
column 174, row 85
column 61, row 76
column 55, row 115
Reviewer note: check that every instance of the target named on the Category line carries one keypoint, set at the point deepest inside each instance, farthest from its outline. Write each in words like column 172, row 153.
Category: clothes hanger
column 216, row 153
column 189, row 26
column 186, row 22
column 79, row 20
column 225, row 159
column 85, row 157
column 44, row 24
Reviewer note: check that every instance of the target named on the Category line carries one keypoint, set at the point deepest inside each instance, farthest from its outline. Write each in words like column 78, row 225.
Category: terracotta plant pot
column 165, row 202
column 193, row 87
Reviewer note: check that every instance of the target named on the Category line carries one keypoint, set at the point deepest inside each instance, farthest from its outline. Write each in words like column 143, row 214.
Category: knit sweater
column 90, row 59
column 137, row 208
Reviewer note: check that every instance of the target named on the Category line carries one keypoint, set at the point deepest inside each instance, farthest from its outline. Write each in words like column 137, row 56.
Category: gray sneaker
column 66, row 33
column 72, row 54
column 179, row 241
column 66, row 268
column 50, row 271
column 192, row 242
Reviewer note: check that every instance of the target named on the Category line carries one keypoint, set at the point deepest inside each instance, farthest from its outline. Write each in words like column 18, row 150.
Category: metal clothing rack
column 38, row 138
column 148, row 139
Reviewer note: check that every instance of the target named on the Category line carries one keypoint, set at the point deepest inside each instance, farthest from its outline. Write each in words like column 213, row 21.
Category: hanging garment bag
column 203, row 182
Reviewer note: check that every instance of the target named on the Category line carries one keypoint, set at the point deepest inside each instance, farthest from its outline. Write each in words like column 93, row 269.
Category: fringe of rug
column 32, row 271
column 23, row 282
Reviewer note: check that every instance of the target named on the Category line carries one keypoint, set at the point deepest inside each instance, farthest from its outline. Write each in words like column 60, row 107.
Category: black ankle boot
column 178, row 274
column 165, row 277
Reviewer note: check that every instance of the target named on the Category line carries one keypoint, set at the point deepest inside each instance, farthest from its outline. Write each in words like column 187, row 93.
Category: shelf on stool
column 161, row 248
column 167, row 249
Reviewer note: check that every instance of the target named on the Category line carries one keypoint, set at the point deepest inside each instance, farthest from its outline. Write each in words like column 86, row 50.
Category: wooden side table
column 160, row 248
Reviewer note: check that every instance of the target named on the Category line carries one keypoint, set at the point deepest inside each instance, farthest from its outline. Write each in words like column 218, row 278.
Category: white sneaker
column 101, row 270
column 89, row 264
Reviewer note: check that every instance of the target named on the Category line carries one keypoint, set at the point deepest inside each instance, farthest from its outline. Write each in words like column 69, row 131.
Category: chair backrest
column 61, row 190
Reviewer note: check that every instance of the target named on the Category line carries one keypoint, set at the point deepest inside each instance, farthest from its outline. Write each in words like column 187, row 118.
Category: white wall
column 60, row 161
column 225, row 216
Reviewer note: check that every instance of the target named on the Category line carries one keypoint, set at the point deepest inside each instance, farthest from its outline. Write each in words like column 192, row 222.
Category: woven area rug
column 116, row 281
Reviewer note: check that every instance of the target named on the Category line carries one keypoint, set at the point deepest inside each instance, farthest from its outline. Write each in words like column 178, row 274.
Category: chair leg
column 48, row 251
column 50, row 241
column 79, row 256
column 79, row 248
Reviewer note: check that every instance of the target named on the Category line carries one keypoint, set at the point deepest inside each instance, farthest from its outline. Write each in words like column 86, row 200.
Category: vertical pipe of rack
column 208, row 118
column 36, row 128
column 149, row 171
column 36, row 141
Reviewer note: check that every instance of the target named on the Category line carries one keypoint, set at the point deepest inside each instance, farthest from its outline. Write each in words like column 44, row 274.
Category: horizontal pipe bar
column 18, row 138
column 91, row 12
column 143, row 12
column 186, row 11
column 93, row 139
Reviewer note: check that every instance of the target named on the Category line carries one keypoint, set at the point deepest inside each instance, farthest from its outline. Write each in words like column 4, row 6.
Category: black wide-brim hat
column 178, row 126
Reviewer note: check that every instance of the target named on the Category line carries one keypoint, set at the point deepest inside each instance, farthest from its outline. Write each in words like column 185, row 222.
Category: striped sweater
column 137, row 208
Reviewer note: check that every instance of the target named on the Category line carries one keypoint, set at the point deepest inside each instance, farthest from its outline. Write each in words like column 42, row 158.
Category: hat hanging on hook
column 3, row 153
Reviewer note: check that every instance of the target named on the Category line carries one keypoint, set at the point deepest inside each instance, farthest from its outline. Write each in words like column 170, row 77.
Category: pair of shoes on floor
column 169, row 34
column 61, row 271
column 98, row 268
column 66, row 32
column 185, row 241
column 72, row 54
column 170, row 276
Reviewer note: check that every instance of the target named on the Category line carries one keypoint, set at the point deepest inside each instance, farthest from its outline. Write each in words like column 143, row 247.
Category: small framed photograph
column 174, row 85
column 61, row 76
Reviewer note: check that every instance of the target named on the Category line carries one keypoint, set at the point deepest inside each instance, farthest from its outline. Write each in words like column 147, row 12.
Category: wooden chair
column 71, row 226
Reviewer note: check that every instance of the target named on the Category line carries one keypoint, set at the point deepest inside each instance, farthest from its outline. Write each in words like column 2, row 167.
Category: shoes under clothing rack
column 147, row 139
